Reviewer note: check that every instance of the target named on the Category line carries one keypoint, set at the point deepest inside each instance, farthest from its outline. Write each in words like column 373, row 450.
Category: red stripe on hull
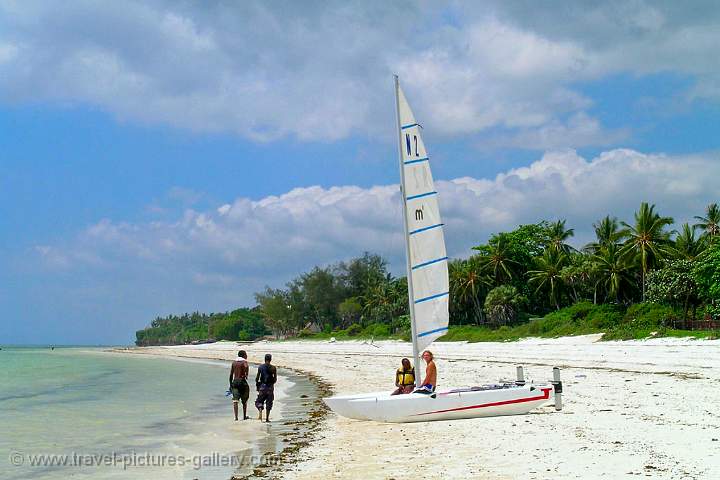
column 545, row 396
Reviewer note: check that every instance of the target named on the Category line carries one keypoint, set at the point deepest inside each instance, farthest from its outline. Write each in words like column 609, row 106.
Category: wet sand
column 294, row 420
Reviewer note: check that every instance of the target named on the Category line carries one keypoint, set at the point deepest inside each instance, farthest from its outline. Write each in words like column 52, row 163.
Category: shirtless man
column 428, row 385
column 238, row 383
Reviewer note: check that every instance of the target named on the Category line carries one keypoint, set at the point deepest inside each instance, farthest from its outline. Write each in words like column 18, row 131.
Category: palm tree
column 558, row 236
column 579, row 275
column 496, row 261
column 399, row 297
column 613, row 271
column 607, row 231
column 710, row 223
column 504, row 304
column 548, row 274
column 687, row 247
column 466, row 285
column 647, row 239
column 378, row 301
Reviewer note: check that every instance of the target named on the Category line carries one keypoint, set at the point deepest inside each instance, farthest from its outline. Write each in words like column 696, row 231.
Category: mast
column 406, row 229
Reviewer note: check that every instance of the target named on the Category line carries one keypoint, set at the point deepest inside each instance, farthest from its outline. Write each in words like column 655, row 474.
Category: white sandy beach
column 646, row 408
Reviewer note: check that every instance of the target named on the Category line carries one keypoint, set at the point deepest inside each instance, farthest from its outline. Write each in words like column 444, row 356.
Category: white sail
column 427, row 258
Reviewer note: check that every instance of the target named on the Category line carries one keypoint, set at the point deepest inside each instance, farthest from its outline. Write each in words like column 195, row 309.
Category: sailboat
column 429, row 296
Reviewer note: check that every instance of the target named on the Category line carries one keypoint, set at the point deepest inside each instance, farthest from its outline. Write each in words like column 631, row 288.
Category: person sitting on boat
column 428, row 385
column 404, row 378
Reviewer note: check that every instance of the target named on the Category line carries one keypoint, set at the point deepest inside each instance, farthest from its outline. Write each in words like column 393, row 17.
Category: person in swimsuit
column 238, row 383
column 428, row 385
column 265, row 384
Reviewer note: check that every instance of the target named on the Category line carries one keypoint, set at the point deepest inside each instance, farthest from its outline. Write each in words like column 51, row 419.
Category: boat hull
column 488, row 401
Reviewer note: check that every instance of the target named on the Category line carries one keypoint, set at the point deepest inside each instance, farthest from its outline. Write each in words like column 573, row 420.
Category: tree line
column 527, row 272
column 530, row 271
column 240, row 324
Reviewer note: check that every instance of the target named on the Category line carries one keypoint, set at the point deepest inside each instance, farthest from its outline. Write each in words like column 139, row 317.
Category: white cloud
column 52, row 257
column 234, row 250
column 579, row 130
column 321, row 72
column 8, row 52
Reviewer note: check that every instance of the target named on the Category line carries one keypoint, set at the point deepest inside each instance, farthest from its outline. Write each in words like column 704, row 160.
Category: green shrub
column 533, row 327
column 378, row 330
column 401, row 324
column 305, row 333
column 579, row 311
column 707, row 276
column 649, row 315
column 406, row 336
column 353, row 330
column 604, row 317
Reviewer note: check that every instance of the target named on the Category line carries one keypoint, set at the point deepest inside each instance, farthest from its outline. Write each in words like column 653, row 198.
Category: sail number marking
column 409, row 145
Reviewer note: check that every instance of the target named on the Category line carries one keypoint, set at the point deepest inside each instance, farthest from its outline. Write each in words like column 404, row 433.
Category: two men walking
column 264, row 382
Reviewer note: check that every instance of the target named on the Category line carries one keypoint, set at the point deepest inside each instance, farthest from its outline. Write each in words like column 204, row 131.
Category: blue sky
column 157, row 159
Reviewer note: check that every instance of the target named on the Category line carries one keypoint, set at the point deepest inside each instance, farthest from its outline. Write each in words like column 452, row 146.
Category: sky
column 165, row 157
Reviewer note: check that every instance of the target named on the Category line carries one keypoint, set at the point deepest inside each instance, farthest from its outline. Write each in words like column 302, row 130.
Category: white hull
column 452, row 404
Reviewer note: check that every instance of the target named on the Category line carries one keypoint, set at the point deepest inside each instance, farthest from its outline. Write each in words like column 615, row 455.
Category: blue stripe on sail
column 430, row 332
column 408, row 162
column 421, row 195
column 432, row 297
column 426, row 228
column 410, row 125
column 429, row 263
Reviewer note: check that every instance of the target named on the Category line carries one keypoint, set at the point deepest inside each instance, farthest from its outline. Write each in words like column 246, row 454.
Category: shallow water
column 135, row 416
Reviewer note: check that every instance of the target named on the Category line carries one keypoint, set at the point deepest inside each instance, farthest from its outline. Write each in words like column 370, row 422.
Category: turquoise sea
column 86, row 413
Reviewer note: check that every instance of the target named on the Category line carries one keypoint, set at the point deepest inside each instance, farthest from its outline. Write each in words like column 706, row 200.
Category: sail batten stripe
column 430, row 332
column 409, row 162
column 420, row 195
column 425, row 264
column 410, row 126
column 424, row 229
column 432, row 297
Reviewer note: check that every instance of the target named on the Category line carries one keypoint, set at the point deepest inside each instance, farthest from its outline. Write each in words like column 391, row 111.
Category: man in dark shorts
column 238, row 383
column 265, row 383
